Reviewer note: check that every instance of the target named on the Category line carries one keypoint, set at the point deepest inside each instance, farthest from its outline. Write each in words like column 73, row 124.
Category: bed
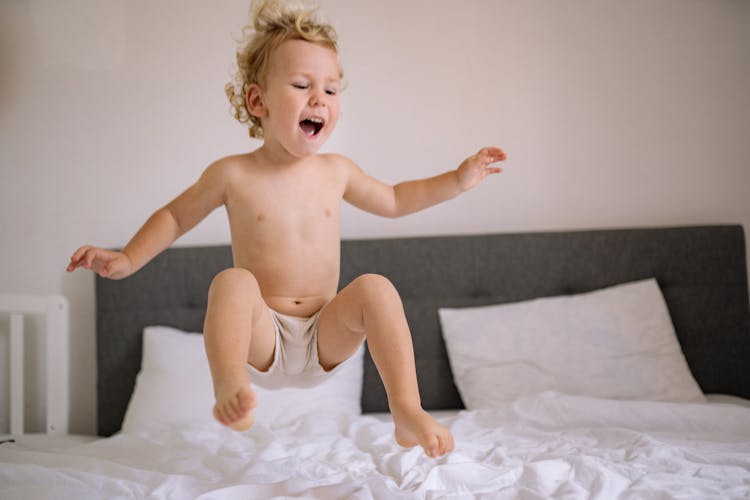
column 570, row 364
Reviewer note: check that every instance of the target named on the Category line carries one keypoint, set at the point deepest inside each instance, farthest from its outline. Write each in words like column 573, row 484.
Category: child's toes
column 226, row 411
column 432, row 447
column 234, row 408
column 445, row 444
column 218, row 415
column 440, row 449
column 232, row 411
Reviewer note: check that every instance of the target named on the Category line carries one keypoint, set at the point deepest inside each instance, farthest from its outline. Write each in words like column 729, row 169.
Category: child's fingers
column 499, row 155
column 87, row 257
column 75, row 259
column 79, row 253
column 495, row 151
column 495, row 154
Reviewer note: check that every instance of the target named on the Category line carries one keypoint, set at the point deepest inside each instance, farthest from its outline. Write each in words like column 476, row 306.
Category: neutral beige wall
column 612, row 113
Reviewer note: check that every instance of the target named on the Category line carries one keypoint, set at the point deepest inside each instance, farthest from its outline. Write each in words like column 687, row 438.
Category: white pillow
column 174, row 387
column 615, row 343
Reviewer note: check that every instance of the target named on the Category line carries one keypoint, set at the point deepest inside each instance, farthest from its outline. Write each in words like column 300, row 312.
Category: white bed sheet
column 547, row 446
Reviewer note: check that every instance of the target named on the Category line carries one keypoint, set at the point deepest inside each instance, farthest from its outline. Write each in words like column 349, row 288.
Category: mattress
column 545, row 446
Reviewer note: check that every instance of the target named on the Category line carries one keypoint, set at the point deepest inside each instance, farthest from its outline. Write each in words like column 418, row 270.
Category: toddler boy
column 276, row 316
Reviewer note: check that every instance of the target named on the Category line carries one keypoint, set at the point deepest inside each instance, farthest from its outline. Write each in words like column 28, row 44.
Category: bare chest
column 290, row 205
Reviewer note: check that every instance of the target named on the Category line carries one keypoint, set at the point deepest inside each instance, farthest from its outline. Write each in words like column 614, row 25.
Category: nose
column 317, row 98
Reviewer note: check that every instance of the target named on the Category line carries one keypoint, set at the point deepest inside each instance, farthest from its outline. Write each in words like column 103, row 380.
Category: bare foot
column 417, row 427
column 235, row 400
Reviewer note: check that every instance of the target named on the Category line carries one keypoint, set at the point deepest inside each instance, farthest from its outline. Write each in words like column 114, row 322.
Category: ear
column 254, row 101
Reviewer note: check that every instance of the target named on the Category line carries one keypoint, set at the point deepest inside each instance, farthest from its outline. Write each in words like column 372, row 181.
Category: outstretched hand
column 105, row 263
column 475, row 168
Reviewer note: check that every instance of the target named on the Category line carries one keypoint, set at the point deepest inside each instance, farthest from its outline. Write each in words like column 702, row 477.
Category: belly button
column 297, row 302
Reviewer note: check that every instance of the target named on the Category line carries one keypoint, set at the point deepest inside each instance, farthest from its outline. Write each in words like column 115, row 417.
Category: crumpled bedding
column 546, row 446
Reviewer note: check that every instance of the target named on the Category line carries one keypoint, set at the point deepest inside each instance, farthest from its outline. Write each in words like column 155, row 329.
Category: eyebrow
column 310, row 76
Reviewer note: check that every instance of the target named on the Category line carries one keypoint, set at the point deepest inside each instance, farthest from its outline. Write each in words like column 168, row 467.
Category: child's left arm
column 407, row 197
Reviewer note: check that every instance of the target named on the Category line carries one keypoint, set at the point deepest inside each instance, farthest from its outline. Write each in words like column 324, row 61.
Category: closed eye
column 301, row 86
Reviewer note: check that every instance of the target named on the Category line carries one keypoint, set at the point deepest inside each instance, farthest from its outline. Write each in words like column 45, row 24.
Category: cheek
column 284, row 110
column 334, row 113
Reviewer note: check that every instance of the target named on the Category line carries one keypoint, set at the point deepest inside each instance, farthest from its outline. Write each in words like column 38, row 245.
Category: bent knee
column 236, row 280
column 376, row 287
column 373, row 281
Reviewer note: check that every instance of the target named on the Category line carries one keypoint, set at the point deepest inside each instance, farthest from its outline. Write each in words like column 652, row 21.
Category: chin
column 302, row 152
column 308, row 146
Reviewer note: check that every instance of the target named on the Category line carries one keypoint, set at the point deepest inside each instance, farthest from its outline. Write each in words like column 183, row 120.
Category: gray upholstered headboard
column 701, row 270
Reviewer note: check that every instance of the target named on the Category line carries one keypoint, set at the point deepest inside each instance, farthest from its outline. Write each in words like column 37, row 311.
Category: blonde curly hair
column 272, row 22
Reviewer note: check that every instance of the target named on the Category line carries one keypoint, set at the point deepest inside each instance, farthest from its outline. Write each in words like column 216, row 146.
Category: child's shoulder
column 243, row 160
column 229, row 165
column 336, row 160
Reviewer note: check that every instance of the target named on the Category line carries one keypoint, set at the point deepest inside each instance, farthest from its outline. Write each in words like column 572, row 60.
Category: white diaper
column 295, row 358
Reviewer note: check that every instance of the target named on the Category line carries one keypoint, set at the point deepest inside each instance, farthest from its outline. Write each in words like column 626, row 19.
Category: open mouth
column 311, row 126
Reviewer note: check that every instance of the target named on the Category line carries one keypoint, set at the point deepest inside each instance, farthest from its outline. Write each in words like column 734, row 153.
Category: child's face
column 300, row 96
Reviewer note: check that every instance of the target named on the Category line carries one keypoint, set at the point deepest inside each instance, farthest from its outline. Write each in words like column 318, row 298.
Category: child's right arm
column 160, row 230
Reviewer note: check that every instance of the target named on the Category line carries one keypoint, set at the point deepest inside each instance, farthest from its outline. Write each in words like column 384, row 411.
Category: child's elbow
column 394, row 211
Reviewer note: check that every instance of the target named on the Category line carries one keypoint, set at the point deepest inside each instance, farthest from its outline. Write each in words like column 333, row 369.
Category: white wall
column 612, row 113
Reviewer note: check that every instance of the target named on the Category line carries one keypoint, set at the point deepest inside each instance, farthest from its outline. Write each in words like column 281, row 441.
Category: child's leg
column 371, row 307
column 238, row 330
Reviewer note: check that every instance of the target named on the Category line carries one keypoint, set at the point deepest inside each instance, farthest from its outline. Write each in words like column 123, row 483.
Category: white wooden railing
column 54, row 310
